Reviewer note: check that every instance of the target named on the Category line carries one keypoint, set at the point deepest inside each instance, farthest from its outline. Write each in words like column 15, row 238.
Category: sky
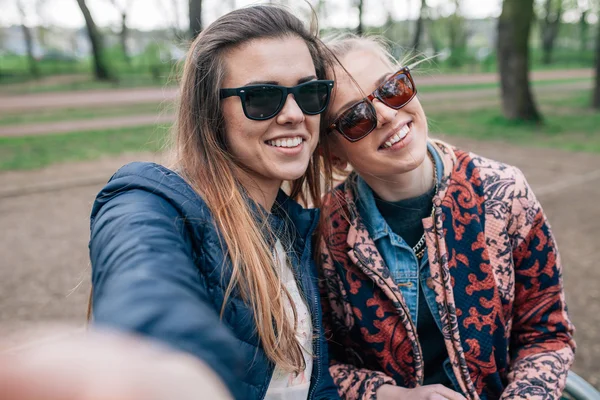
column 152, row 14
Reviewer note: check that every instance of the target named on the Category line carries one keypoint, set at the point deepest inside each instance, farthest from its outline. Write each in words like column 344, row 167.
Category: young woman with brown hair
column 211, row 257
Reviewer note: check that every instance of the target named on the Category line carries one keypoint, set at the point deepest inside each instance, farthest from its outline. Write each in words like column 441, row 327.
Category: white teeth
column 287, row 142
column 397, row 137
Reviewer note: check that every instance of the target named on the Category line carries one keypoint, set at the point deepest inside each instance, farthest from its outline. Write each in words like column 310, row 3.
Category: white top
column 286, row 385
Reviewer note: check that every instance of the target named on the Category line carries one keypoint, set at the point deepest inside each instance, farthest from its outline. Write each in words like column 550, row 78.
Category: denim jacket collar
column 367, row 208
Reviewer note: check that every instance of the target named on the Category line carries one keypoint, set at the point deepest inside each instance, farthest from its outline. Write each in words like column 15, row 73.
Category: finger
column 20, row 383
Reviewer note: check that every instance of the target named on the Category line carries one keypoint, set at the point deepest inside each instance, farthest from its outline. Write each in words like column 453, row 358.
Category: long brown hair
column 203, row 159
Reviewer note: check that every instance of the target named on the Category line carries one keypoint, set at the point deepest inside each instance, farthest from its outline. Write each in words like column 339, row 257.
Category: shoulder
column 151, row 185
column 490, row 177
column 502, row 187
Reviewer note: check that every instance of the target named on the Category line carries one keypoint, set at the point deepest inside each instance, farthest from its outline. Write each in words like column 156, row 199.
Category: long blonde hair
column 203, row 158
column 341, row 44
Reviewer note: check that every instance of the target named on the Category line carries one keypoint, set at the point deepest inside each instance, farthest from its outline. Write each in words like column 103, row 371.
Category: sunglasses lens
column 263, row 102
column 397, row 91
column 357, row 121
column 312, row 98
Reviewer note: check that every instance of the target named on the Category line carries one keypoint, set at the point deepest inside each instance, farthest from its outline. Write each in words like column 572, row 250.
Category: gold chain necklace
column 421, row 246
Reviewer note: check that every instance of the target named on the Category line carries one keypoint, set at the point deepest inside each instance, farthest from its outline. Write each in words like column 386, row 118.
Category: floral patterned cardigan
column 497, row 276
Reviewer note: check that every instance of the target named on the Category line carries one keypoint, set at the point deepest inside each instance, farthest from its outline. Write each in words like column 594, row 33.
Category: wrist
column 387, row 391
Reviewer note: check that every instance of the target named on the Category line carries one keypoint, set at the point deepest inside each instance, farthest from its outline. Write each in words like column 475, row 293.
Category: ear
column 338, row 162
column 334, row 153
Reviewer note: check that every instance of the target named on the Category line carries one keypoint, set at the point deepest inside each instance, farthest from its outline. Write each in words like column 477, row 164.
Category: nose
column 291, row 112
column 385, row 114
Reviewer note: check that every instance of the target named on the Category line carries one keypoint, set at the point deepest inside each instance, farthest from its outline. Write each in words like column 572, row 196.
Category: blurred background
column 88, row 85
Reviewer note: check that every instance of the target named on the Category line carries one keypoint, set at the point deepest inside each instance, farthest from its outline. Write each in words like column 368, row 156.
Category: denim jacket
column 408, row 273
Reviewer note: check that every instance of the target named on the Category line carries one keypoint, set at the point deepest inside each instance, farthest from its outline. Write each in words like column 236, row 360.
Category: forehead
column 366, row 67
column 283, row 60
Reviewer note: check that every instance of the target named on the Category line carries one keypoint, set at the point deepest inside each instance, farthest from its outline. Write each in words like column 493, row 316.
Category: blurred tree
column 584, row 10
column 596, row 98
column 514, row 27
column 550, row 25
column 433, row 28
column 42, row 29
column 457, row 36
column 174, row 22
column 359, row 28
column 195, row 14
column 101, row 70
column 123, row 7
column 33, row 67
column 419, row 26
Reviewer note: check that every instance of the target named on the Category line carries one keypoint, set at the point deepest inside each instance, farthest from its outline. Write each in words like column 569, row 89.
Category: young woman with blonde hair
column 211, row 257
column 441, row 277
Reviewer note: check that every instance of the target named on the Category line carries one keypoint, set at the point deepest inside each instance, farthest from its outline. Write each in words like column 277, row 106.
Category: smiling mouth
column 286, row 142
column 397, row 137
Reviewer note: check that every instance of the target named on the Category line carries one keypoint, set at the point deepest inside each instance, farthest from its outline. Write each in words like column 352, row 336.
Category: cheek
column 415, row 108
column 313, row 126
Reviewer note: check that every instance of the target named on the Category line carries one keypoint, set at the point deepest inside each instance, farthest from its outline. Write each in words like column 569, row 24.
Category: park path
column 140, row 95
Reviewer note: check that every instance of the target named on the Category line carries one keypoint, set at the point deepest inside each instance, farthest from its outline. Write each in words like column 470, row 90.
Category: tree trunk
column 101, row 70
column 457, row 36
column 514, row 27
column 433, row 40
column 583, row 31
column 550, row 28
column 419, row 26
column 195, row 10
column 33, row 67
column 123, row 36
column 596, row 100
column 359, row 28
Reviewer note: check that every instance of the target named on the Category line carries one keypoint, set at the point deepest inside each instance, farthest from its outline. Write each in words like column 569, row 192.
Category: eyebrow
column 377, row 84
column 300, row 81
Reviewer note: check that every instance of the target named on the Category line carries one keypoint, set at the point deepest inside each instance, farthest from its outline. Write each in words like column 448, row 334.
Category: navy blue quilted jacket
column 158, row 269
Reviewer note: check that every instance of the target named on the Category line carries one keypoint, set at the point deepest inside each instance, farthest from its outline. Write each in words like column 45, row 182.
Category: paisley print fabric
column 497, row 276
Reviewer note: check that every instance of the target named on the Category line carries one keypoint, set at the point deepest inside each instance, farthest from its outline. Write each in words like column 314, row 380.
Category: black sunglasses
column 360, row 119
column 261, row 102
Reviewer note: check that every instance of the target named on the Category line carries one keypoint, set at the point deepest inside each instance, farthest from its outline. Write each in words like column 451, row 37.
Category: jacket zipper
column 316, row 323
column 317, row 355
column 267, row 380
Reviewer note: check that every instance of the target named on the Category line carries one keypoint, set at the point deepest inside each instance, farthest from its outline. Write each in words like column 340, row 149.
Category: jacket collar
column 355, row 189
column 285, row 211
column 367, row 207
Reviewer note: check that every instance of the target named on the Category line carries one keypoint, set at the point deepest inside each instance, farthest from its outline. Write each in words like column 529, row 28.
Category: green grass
column 490, row 85
column 17, row 153
column 574, row 127
column 569, row 125
column 31, row 87
column 65, row 114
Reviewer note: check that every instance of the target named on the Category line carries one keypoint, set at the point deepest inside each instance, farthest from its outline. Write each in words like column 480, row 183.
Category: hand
column 106, row 367
column 428, row 392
